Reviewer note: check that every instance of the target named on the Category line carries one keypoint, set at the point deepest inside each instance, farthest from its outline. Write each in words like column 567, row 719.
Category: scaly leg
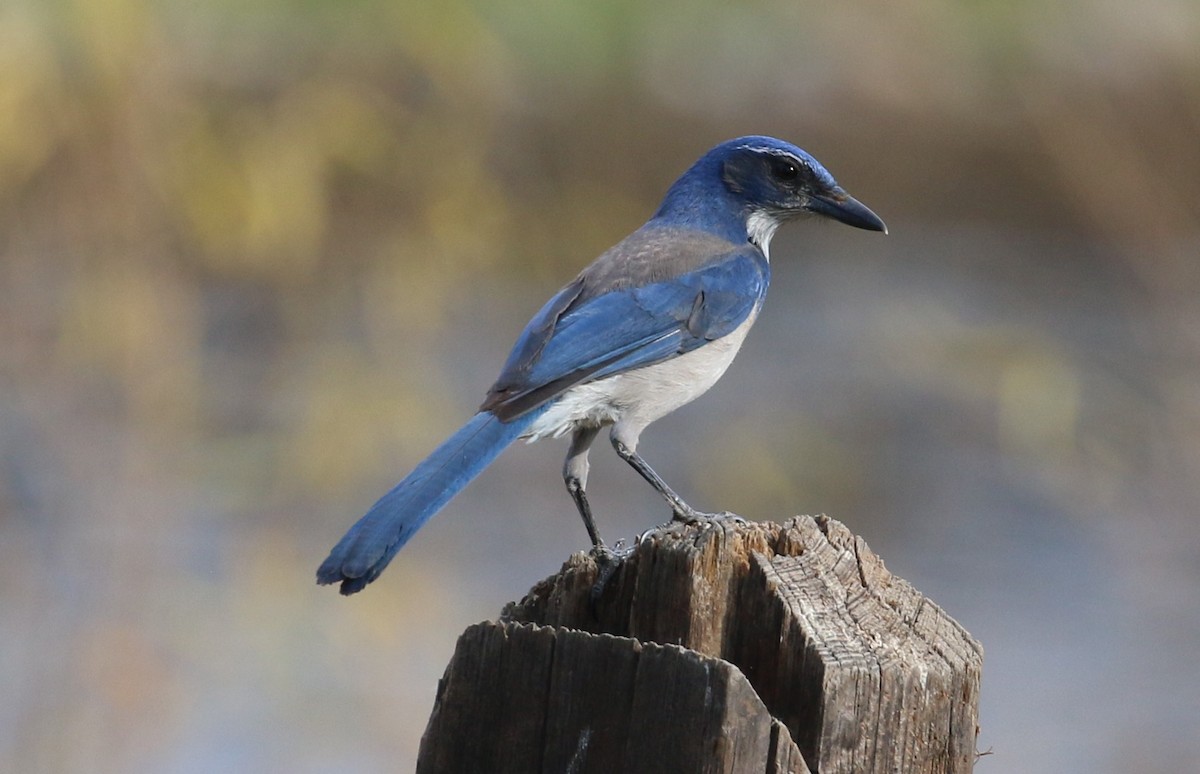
column 575, row 474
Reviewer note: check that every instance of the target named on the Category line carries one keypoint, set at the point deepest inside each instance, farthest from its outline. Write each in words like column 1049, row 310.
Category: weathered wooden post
column 720, row 648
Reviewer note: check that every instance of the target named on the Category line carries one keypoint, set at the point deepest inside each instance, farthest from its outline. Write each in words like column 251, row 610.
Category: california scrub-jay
column 647, row 327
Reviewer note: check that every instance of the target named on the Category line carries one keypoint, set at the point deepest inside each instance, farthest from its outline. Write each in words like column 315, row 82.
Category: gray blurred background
column 256, row 259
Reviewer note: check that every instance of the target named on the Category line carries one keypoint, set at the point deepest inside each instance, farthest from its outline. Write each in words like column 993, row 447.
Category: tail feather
column 370, row 544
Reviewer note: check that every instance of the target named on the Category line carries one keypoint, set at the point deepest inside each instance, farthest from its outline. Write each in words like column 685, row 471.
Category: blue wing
column 586, row 333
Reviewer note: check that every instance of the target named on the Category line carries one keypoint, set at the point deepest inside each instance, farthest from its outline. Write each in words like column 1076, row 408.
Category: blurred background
column 258, row 258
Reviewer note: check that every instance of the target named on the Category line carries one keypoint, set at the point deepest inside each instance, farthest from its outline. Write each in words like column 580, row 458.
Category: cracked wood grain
column 724, row 647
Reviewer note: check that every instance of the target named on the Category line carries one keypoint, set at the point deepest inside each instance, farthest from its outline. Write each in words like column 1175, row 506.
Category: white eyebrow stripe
column 773, row 151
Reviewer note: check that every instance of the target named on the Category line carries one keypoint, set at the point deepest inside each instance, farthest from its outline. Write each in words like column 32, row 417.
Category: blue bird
column 649, row 326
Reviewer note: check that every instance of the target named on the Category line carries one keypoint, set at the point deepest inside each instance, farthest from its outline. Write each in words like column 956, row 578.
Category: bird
column 646, row 328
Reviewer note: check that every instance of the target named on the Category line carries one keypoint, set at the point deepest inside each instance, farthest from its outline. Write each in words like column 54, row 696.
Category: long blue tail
column 370, row 544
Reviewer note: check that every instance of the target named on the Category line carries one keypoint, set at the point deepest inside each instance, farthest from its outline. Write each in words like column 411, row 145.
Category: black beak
column 843, row 207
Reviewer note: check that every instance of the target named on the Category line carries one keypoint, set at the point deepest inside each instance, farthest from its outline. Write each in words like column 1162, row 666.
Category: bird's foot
column 608, row 561
column 693, row 516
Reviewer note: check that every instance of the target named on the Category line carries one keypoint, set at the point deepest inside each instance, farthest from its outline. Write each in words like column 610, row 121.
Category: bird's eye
column 784, row 170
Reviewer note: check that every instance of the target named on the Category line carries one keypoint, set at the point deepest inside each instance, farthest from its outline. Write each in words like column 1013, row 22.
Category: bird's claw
column 700, row 517
column 608, row 561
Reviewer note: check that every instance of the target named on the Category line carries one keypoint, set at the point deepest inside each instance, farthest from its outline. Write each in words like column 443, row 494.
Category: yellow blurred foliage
column 30, row 99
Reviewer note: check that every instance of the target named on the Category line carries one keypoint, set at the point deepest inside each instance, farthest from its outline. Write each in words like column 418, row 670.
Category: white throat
column 761, row 227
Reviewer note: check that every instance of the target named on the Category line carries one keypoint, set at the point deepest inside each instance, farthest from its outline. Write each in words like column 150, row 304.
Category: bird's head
column 760, row 182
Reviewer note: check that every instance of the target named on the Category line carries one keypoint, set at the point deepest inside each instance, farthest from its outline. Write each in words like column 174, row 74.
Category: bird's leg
column 575, row 473
column 626, row 450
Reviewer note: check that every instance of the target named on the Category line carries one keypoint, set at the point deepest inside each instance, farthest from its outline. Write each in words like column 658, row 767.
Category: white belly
column 639, row 397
